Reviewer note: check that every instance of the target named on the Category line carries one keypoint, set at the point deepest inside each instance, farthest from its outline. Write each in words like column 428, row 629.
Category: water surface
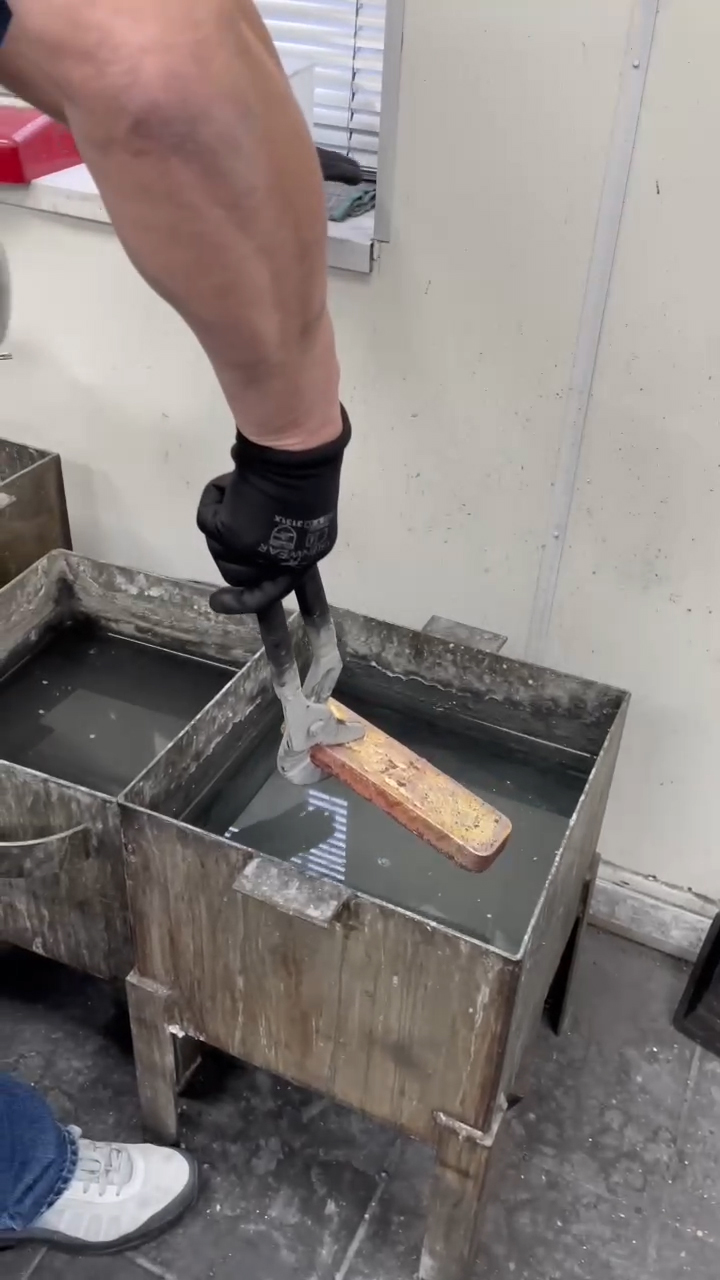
column 328, row 830
column 94, row 709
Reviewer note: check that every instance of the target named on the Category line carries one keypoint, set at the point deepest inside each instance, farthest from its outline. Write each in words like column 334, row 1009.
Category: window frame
column 389, row 116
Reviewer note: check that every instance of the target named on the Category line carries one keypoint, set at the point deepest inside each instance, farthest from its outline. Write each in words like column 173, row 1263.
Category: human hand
column 271, row 519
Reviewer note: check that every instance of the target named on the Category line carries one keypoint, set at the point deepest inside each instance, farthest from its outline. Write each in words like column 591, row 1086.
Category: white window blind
column 344, row 39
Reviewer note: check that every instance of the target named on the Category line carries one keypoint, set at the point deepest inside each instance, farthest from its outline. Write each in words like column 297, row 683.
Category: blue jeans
column 37, row 1156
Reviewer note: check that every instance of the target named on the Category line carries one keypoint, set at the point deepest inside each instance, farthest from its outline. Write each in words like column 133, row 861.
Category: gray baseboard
column 645, row 910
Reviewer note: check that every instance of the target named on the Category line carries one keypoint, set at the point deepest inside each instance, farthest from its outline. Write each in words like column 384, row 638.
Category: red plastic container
column 32, row 145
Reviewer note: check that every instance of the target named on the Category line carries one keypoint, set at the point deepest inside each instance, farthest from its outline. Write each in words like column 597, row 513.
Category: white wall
column 456, row 354
column 106, row 373
column 639, row 599
column 456, row 358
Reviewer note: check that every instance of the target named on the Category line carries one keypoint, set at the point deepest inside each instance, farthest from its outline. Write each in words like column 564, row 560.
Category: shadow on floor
column 608, row 1170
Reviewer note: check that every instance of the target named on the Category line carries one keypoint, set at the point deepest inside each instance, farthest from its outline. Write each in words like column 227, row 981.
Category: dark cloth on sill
column 343, row 202
column 337, row 167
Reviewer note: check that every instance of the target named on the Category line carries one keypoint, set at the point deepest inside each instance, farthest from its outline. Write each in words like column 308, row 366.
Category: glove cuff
column 249, row 452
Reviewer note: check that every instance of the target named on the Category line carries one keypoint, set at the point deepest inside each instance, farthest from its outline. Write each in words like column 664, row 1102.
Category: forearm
column 211, row 179
column 229, row 228
column 18, row 74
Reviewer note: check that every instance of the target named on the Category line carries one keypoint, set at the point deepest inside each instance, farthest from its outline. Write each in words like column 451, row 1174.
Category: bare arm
column 16, row 75
column 185, row 118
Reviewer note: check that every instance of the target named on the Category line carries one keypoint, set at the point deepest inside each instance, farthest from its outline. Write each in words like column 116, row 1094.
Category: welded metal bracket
column 466, row 1132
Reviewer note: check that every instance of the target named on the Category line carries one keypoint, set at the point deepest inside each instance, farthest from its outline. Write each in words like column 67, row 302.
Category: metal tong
column 309, row 722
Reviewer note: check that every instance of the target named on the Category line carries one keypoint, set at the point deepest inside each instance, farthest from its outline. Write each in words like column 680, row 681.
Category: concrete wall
column 456, row 355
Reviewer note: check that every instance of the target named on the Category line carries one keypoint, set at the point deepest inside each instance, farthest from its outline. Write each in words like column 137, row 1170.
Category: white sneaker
column 120, row 1197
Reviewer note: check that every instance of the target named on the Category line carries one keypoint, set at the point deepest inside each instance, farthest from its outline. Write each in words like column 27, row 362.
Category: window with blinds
column 344, row 39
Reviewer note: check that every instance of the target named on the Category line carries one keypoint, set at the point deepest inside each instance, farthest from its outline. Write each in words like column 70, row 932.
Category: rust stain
column 420, row 797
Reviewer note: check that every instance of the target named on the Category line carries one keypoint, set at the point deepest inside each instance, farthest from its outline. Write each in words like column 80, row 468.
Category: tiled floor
column 609, row 1170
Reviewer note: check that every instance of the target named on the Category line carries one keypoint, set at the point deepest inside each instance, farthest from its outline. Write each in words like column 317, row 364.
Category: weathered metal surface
column 230, row 724
column 16, row 458
column 415, row 794
column 29, row 606
column 411, row 667
column 155, row 1060
column 558, row 909
column 557, row 1001
column 33, row 510
column 455, row 1205
column 385, row 1011
column 381, row 1010
column 79, row 915
column 279, row 885
column 167, row 611
column 70, row 901
column 24, row 864
column 461, row 633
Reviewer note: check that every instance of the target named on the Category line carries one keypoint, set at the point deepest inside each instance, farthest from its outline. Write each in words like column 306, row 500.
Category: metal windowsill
column 73, row 194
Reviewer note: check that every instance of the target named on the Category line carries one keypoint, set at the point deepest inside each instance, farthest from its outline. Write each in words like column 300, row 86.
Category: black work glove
column 271, row 519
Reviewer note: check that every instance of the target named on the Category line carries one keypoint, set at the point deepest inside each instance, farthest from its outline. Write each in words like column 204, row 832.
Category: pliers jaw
column 309, row 721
